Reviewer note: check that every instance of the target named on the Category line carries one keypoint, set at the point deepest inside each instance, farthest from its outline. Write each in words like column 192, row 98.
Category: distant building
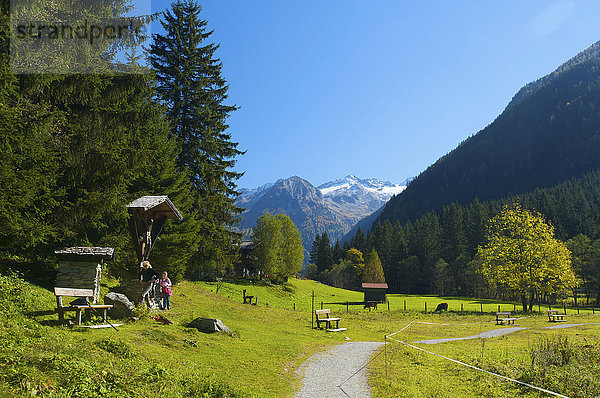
column 375, row 291
column 246, row 266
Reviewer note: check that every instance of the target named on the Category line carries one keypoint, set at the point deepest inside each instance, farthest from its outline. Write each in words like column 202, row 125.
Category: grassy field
column 270, row 341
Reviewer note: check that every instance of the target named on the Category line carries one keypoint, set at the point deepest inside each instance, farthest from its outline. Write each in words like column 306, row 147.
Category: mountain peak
column 383, row 189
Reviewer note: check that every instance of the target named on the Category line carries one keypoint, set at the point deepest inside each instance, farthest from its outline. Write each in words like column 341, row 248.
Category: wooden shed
column 375, row 291
column 81, row 267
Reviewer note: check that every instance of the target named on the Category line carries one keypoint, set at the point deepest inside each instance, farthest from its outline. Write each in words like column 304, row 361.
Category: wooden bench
column 327, row 321
column 88, row 294
column 371, row 304
column 502, row 317
column 248, row 299
column 554, row 316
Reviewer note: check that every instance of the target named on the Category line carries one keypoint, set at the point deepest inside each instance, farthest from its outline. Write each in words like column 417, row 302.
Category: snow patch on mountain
column 383, row 189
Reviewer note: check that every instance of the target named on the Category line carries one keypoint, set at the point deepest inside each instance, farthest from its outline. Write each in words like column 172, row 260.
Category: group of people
column 155, row 285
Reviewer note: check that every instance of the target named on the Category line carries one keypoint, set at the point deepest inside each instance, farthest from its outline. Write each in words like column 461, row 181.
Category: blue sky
column 379, row 88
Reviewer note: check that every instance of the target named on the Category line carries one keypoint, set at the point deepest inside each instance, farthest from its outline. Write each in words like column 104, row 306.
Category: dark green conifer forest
column 76, row 148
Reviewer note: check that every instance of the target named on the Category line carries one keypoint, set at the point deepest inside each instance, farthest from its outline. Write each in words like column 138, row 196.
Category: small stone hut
column 81, row 267
column 375, row 291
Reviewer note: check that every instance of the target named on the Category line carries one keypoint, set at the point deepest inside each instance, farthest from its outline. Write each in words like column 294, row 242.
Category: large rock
column 122, row 307
column 208, row 325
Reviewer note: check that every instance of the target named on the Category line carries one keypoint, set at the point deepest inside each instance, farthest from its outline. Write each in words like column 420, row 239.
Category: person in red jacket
column 165, row 290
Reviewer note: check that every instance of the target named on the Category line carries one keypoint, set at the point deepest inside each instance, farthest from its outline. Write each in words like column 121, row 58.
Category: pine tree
column 338, row 253
column 314, row 250
column 324, row 254
column 191, row 86
column 373, row 270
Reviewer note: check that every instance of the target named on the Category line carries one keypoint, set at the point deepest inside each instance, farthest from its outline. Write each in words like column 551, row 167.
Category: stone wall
column 84, row 274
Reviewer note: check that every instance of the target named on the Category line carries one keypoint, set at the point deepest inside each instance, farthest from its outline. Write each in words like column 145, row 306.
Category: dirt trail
column 339, row 372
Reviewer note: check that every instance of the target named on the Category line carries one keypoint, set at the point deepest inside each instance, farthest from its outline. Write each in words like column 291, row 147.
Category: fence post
column 321, row 305
column 388, row 305
column 481, row 308
column 404, row 305
column 426, row 306
column 498, row 307
column 461, row 307
column 312, row 311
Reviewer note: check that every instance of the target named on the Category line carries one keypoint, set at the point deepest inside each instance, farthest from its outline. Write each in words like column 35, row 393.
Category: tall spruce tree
column 192, row 88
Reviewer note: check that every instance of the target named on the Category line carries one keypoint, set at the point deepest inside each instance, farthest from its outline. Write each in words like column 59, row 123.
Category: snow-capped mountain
column 382, row 189
column 333, row 207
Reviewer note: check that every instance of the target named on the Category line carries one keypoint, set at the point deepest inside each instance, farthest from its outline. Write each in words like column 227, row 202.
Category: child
column 165, row 288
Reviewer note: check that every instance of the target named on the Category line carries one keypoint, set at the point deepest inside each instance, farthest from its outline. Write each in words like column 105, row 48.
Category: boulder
column 208, row 325
column 122, row 307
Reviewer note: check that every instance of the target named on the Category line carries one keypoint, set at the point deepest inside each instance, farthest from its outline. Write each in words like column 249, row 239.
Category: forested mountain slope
column 549, row 133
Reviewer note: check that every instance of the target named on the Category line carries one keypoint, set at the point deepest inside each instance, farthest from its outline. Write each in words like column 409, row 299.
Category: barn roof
column 157, row 205
column 374, row 286
column 105, row 253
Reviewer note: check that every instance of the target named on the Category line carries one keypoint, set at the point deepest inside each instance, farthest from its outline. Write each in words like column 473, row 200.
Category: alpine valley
column 333, row 207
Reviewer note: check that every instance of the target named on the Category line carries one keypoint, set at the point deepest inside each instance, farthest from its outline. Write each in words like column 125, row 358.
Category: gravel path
column 484, row 335
column 339, row 372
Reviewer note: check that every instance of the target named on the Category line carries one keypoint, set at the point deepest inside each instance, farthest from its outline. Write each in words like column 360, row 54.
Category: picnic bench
column 327, row 320
column 79, row 309
column 248, row 299
column 371, row 304
column 554, row 316
column 502, row 317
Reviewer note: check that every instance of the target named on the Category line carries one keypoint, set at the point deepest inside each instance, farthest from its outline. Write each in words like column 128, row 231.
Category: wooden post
column 312, row 311
column 385, row 353
column 404, row 305
column 481, row 308
column 461, row 307
column 594, row 309
column 426, row 306
column 388, row 305
column 498, row 307
column 321, row 305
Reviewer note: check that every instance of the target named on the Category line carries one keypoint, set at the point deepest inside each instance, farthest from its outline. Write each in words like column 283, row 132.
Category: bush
column 557, row 352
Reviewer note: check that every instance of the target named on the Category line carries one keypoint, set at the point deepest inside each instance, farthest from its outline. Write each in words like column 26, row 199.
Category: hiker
column 165, row 291
column 147, row 277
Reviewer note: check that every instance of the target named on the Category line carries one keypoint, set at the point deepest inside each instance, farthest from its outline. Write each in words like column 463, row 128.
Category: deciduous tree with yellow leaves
column 522, row 255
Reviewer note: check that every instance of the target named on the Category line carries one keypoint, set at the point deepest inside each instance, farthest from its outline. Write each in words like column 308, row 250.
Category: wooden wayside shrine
column 147, row 215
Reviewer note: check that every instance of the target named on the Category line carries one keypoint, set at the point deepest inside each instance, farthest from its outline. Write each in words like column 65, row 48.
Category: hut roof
column 157, row 205
column 374, row 286
column 105, row 253
column 247, row 245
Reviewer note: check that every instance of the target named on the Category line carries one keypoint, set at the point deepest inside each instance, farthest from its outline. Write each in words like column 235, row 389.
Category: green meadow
column 262, row 355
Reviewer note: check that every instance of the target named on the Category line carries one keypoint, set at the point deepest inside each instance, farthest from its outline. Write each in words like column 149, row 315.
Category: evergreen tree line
column 343, row 267
column 76, row 148
column 435, row 254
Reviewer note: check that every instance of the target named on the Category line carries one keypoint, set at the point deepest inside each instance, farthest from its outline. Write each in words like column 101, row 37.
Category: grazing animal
column 441, row 307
